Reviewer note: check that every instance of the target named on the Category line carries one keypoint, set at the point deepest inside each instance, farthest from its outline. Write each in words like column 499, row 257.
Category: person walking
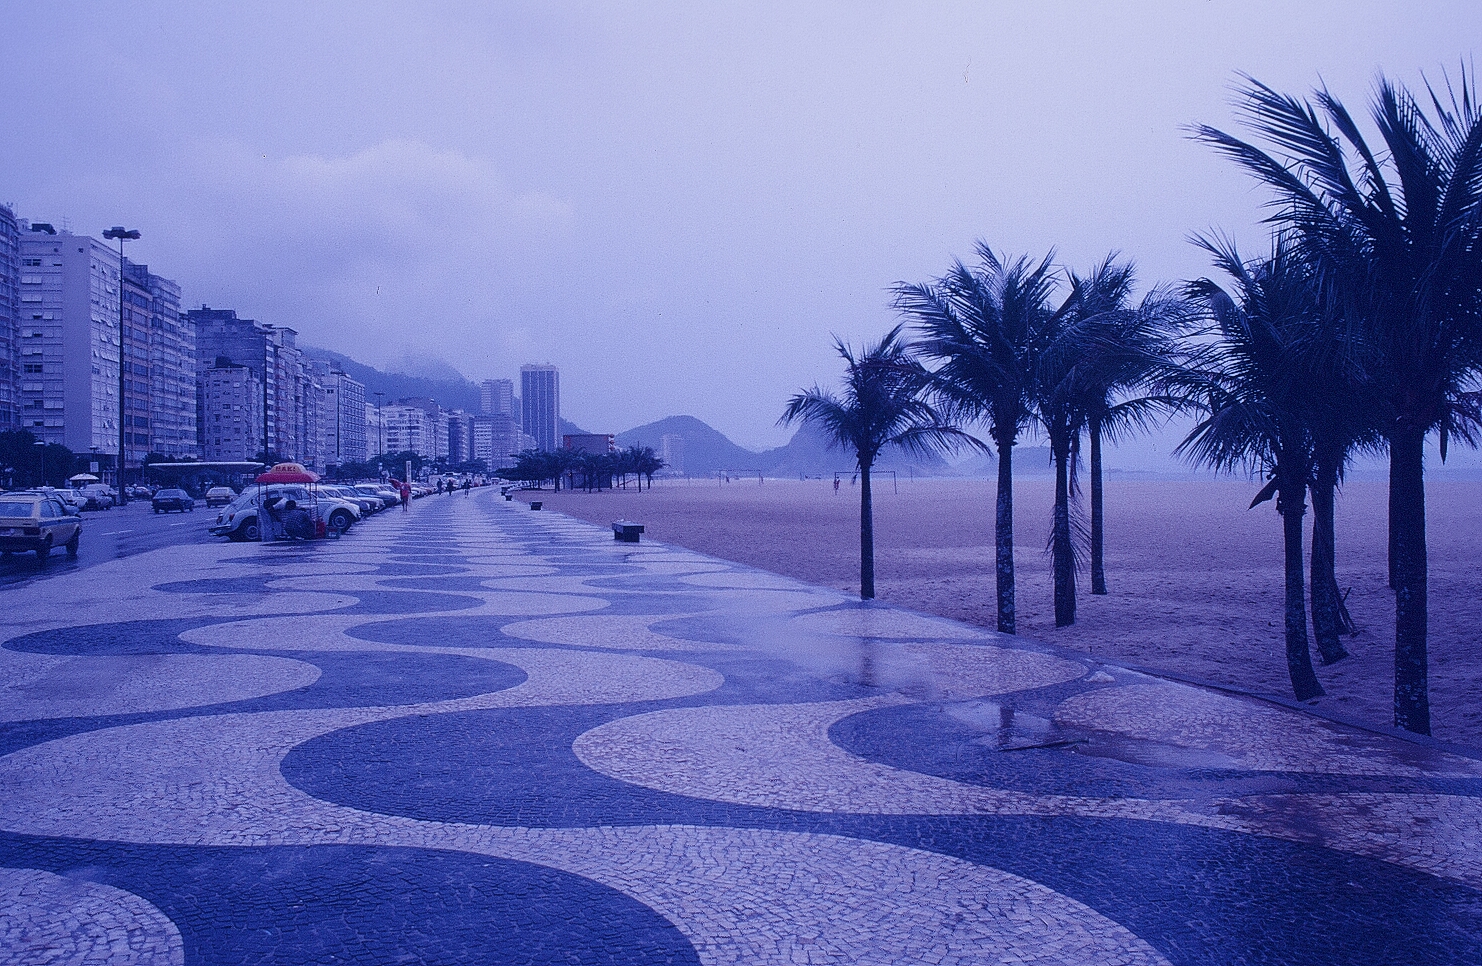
column 405, row 491
column 467, row 485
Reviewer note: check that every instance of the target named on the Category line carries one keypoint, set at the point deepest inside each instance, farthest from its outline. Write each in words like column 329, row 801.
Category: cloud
column 377, row 249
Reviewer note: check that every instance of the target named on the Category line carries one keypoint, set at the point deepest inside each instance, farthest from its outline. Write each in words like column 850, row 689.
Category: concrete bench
column 627, row 531
column 536, row 504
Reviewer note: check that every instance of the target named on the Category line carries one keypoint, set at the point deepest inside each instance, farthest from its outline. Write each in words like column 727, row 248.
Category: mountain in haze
column 449, row 388
column 707, row 450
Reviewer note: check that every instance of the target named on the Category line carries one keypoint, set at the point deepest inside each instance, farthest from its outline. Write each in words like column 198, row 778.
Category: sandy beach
column 1194, row 577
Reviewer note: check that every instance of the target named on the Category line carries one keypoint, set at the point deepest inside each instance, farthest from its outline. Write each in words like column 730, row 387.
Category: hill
column 450, row 392
column 707, row 450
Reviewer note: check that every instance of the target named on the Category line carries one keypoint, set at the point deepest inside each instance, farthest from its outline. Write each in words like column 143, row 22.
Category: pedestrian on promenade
column 467, row 485
column 405, row 490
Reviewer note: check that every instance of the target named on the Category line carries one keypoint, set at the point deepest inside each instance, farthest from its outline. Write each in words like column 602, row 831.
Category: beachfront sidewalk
column 478, row 733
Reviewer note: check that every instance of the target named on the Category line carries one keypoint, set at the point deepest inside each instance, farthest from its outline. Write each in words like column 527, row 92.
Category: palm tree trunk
column 1407, row 529
column 1290, row 502
column 1326, row 626
column 1394, row 515
column 1003, row 536
column 1098, row 567
column 866, row 536
column 1063, row 559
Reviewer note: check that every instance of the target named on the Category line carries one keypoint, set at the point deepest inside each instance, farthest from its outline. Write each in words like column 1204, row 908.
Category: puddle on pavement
column 1004, row 728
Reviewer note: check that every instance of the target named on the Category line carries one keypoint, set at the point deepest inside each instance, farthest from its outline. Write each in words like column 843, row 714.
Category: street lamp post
column 380, row 432
column 266, row 449
column 41, row 453
column 122, row 234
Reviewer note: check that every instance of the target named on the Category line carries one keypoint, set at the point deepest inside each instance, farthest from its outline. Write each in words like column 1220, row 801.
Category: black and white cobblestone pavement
column 481, row 734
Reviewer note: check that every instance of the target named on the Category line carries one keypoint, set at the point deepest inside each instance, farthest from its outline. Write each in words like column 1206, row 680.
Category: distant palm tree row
column 590, row 471
column 1360, row 330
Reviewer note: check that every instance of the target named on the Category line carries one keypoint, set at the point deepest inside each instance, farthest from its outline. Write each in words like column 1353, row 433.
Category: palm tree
column 1252, row 380
column 883, row 403
column 981, row 325
column 645, row 464
column 1123, row 349
column 1396, row 236
column 1059, row 397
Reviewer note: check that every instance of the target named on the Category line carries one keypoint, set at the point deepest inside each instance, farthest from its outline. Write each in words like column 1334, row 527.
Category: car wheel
column 249, row 530
column 44, row 551
column 73, row 543
column 339, row 521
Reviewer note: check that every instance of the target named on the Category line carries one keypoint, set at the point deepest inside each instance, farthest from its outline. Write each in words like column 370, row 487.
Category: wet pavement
column 480, row 734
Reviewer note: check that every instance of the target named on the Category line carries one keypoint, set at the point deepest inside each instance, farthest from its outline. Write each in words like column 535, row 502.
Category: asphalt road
column 111, row 534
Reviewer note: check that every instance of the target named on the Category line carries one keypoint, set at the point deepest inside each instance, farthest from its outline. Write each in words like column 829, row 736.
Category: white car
column 220, row 496
column 238, row 519
column 100, row 496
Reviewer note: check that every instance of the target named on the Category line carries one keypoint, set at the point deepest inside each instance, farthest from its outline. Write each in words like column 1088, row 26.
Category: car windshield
column 17, row 507
column 169, row 494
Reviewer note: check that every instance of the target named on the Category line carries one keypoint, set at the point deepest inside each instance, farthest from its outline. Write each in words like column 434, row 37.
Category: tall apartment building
column 497, row 398
column 540, row 404
column 159, row 368
column 10, row 317
column 69, row 339
column 496, row 440
column 68, row 348
column 272, row 353
column 231, row 420
column 460, row 436
column 419, row 426
column 342, row 415
column 671, row 451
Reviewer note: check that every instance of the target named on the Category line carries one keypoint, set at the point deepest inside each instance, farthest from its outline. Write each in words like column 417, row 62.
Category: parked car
column 238, row 519
column 385, row 494
column 172, row 499
column 220, row 496
column 99, row 496
column 72, row 498
column 367, row 504
column 37, row 521
column 139, row 492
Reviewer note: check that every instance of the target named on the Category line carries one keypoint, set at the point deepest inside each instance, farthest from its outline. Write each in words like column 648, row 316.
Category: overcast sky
column 676, row 203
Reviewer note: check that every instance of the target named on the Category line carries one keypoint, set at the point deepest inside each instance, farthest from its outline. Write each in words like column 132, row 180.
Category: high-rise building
column 231, row 421
column 272, row 353
column 10, row 317
column 671, row 451
column 496, row 440
column 497, row 398
column 540, row 403
column 417, row 425
column 342, row 415
column 159, row 368
column 69, row 344
column 460, row 437
column 69, row 339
